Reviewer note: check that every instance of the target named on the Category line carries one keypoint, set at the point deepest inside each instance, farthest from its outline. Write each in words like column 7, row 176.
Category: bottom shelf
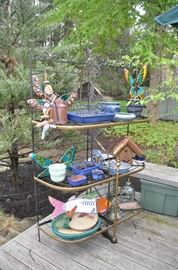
column 105, row 226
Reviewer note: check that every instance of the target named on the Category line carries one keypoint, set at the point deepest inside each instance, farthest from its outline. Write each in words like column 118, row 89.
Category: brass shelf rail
column 67, row 188
column 100, row 125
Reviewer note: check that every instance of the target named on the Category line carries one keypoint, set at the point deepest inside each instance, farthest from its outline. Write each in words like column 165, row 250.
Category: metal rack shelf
column 72, row 126
column 103, row 230
column 67, row 188
column 64, row 187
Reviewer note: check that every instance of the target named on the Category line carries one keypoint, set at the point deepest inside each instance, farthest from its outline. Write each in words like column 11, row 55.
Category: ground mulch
column 19, row 199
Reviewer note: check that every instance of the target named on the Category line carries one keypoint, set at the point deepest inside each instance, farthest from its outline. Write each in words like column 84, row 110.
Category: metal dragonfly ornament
column 136, row 82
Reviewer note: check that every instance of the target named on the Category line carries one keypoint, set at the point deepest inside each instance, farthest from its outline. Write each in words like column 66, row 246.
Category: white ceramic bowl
column 57, row 172
column 124, row 116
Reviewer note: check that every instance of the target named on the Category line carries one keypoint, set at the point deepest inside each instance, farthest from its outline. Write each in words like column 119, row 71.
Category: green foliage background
column 157, row 141
column 119, row 33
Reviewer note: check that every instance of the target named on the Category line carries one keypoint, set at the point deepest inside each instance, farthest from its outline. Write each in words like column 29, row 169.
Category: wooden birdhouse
column 125, row 149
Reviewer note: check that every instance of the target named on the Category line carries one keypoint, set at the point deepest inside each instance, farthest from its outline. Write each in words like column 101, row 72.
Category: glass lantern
column 127, row 193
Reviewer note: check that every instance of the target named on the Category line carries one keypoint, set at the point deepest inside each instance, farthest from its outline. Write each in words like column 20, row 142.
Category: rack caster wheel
column 114, row 240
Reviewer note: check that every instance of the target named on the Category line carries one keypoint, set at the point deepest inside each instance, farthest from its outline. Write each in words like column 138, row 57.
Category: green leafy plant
column 158, row 141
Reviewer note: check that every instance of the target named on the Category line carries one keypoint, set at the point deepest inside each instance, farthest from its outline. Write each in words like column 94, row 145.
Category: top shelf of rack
column 99, row 125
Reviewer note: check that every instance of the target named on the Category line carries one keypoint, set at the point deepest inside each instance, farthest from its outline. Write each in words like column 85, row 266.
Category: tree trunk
column 155, row 84
column 14, row 162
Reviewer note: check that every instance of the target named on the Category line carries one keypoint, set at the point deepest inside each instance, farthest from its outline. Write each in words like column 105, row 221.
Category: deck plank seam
column 127, row 258
column 68, row 257
column 15, row 258
column 90, row 241
column 150, row 256
column 45, row 236
column 32, row 252
column 148, row 235
column 127, row 246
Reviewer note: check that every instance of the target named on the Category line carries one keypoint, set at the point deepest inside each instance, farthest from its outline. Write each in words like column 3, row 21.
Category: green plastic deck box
column 159, row 198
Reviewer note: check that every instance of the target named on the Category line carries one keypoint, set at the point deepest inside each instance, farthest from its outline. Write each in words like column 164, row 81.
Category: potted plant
column 136, row 92
column 135, row 106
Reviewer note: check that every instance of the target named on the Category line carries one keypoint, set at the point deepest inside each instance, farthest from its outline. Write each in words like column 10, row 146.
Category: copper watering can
column 58, row 112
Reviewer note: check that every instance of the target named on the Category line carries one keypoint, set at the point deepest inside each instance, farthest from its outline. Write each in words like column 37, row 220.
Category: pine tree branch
column 15, row 40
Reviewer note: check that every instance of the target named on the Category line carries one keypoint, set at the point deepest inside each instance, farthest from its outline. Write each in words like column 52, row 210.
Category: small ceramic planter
column 135, row 108
column 139, row 159
column 77, row 180
column 124, row 117
column 97, row 174
column 57, row 172
column 110, row 107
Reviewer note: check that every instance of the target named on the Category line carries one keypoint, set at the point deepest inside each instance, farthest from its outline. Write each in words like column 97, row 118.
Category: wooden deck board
column 7, row 262
column 98, row 257
column 147, row 241
column 74, row 252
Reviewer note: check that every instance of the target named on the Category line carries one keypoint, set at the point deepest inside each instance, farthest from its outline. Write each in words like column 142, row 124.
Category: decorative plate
column 69, row 234
column 83, row 221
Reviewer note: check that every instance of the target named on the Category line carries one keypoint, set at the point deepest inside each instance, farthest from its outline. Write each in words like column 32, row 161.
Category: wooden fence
column 168, row 110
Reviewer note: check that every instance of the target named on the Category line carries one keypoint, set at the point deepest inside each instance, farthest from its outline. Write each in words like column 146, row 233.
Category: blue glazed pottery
column 90, row 117
column 97, row 174
column 135, row 108
column 139, row 159
column 84, row 168
column 110, row 107
column 77, row 180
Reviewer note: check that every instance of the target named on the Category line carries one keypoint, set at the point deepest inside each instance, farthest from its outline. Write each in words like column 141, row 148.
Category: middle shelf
column 65, row 187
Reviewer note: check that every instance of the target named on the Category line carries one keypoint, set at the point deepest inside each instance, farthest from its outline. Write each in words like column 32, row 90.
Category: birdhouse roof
column 122, row 142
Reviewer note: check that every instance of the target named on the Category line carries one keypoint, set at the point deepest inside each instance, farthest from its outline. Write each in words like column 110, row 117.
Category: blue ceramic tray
column 77, row 180
column 87, row 117
column 84, row 168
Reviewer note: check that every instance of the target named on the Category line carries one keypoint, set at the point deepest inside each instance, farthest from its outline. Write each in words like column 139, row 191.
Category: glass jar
column 127, row 193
